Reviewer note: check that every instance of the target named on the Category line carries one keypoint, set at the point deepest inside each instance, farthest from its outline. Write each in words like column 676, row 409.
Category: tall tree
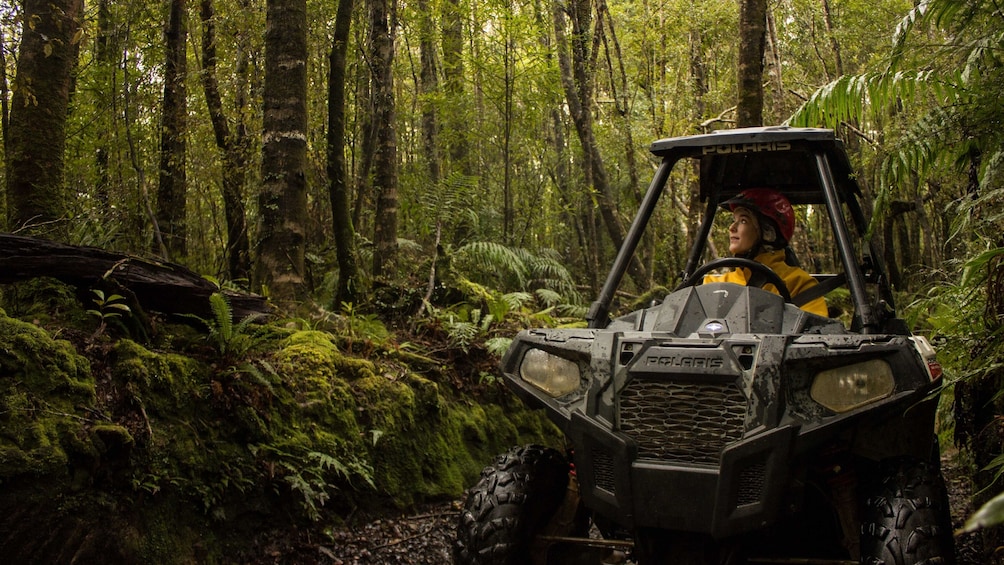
column 282, row 200
column 172, row 197
column 429, row 90
column 50, row 37
column 382, row 24
column 105, row 60
column 338, row 193
column 453, row 86
column 4, row 91
column 575, row 54
column 752, row 43
column 233, row 144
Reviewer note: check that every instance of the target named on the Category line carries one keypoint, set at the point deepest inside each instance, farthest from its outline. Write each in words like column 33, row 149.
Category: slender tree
column 4, row 91
column 382, row 24
column 172, row 189
column 338, row 193
column 282, row 200
column 233, row 144
column 50, row 37
column 104, row 52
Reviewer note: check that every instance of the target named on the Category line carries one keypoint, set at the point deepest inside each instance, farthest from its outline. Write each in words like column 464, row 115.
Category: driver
column 763, row 223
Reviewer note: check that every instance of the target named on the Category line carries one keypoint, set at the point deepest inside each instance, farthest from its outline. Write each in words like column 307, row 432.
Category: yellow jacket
column 795, row 278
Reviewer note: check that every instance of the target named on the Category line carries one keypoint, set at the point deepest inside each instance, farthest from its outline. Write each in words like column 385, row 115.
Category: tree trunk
column 699, row 87
column 48, row 53
column 233, row 146
column 576, row 78
column 834, row 44
column 752, row 40
column 4, row 93
column 382, row 25
column 341, row 219
column 429, row 89
column 172, row 188
column 367, row 147
column 773, row 68
column 105, row 53
column 621, row 95
column 508, row 87
column 282, row 201
column 453, row 86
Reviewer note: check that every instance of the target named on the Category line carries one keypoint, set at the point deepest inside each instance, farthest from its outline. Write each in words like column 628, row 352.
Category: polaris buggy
column 724, row 424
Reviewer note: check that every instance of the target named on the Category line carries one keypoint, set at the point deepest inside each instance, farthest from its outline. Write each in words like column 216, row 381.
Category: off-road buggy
column 723, row 424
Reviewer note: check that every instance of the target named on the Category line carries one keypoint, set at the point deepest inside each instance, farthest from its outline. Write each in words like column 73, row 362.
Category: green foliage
column 362, row 326
column 989, row 515
column 513, row 269
column 314, row 475
column 107, row 308
column 231, row 340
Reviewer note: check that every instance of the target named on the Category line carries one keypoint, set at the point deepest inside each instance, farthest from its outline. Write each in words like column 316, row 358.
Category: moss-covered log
column 156, row 285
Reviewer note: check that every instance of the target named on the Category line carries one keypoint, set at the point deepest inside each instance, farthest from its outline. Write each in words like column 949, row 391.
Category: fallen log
column 157, row 286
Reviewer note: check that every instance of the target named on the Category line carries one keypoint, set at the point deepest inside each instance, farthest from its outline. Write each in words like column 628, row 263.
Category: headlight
column 846, row 388
column 552, row 374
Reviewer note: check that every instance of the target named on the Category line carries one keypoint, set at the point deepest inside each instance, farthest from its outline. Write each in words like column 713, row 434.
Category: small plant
column 314, row 474
column 235, row 341
column 363, row 326
column 107, row 308
column 232, row 340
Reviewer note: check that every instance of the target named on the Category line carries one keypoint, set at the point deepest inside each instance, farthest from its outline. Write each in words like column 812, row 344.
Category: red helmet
column 769, row 204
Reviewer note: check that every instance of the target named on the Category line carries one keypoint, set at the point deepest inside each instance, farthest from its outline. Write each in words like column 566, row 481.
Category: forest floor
column 425, row 536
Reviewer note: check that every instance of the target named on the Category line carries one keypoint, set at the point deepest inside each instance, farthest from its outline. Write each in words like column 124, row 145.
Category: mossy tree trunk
column 37, row 128
column 382, row 24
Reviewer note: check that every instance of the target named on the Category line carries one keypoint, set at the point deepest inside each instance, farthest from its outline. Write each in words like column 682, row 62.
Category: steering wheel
column 757, row 268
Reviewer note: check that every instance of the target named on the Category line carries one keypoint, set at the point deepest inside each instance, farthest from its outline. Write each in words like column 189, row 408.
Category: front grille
column 682, row 422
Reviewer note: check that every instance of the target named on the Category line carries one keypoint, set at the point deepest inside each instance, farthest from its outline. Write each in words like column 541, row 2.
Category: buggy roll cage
column 808, row 165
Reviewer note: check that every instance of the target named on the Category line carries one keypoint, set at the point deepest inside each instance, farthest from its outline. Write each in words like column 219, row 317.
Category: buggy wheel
column 905, row 517
column 511, row 504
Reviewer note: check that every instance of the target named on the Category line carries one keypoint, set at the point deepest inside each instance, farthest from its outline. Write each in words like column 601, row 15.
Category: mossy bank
column 112, row 451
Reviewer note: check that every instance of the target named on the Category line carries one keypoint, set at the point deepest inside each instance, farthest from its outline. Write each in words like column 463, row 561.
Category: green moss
column 190, row 452
column 164, row 380
column 431, row 447
column 46, row 383
column 316, row 350
column 316, row 391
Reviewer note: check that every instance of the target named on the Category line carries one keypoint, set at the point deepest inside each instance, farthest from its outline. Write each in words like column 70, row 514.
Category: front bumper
column 744, row 492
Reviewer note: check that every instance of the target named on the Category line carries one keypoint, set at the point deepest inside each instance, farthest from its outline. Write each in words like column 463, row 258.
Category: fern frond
column 547, row 297
column 492, row 257
column 223, row 322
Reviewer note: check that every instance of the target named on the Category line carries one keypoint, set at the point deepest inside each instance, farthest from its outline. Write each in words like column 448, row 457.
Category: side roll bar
column 598, row 315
